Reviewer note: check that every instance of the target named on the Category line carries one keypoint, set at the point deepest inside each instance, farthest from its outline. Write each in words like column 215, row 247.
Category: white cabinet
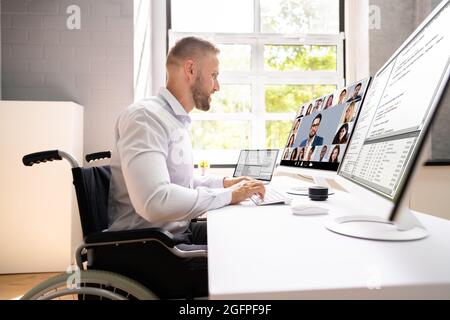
column 39, row 223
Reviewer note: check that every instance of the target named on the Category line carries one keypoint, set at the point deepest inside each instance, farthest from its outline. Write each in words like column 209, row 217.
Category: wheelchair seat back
column 92, row 189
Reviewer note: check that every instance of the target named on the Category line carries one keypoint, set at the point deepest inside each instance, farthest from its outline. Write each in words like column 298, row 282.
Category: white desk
column 268, row 253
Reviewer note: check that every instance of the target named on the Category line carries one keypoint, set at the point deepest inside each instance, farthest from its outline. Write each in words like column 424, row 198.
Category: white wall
column 357, row 40
column 39, row 221
column 430, row 191
column 0, row 52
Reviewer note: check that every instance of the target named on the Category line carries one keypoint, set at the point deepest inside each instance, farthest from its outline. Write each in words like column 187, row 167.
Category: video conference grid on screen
column 322, row 129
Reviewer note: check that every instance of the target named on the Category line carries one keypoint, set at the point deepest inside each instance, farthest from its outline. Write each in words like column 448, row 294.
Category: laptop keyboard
column 272, row 196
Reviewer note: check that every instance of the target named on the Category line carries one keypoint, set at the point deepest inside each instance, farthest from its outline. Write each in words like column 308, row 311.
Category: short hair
column 190, row 48
column 319, row 116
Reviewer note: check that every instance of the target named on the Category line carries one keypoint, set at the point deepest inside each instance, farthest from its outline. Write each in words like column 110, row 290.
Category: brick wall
column 43, row 60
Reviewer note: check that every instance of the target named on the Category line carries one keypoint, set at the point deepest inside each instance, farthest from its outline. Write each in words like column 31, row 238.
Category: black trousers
column 195, row 238
column 195, row 235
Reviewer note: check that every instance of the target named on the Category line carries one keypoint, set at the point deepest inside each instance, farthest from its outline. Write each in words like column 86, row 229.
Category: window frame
column 258, row 78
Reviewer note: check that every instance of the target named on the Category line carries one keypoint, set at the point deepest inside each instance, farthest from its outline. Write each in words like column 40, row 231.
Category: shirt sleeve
column 208, row 181
column 143, row 148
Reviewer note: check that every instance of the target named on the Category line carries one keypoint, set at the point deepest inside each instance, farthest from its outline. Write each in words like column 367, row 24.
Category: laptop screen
column 257, row 164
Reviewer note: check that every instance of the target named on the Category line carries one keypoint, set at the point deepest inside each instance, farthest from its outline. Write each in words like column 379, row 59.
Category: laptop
column 258, row 164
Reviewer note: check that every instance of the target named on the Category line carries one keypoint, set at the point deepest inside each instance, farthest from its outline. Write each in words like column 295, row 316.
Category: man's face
column 357, row 88
column 314, row 127
column 206, row 82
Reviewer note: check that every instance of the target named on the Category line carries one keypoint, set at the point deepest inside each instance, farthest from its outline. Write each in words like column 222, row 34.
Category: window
column 275, row 55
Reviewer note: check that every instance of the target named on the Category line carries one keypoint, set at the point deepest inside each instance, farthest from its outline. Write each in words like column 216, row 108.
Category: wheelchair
column 110, row 264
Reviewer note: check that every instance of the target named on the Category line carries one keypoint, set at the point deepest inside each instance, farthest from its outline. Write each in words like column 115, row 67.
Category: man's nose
column 216, row 86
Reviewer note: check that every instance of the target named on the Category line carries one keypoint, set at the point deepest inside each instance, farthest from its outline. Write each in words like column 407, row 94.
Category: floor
column 13, row 286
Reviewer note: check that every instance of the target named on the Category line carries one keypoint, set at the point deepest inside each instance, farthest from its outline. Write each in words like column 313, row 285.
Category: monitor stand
column 406, row 227
column 317, row 181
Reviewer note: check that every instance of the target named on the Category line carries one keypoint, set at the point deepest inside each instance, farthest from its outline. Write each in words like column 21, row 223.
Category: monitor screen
column 398, row 106
column 322, row 129
column 257, row 164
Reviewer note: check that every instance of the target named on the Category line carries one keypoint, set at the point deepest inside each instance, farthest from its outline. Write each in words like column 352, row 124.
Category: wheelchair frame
column 93, row 282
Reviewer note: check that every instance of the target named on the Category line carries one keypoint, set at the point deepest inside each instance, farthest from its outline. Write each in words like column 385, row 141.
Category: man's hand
column 245, row 189
column 228, row 182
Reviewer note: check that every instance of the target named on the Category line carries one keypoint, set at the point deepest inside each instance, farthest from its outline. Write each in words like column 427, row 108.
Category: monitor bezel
column 273, row 169
column 419, row 150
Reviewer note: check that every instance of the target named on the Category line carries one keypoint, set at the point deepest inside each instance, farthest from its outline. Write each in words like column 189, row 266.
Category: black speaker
column 318, row 193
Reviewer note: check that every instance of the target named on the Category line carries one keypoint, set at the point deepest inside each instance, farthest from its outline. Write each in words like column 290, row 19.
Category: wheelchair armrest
column 109, row 238
column 132, row 236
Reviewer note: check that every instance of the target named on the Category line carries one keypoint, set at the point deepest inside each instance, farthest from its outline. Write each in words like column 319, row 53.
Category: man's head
column 357, row 89
column 192, row 69
column 318, row 103
column 323, row 152
column 315, row 125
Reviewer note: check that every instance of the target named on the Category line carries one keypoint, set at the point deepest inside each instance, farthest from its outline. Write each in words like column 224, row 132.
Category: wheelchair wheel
column 89, row 284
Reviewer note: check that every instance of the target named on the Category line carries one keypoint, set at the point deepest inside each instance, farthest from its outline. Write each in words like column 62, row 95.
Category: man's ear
column 189, row 69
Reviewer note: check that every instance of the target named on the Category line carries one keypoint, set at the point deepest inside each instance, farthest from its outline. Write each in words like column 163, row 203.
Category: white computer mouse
column 307, row 208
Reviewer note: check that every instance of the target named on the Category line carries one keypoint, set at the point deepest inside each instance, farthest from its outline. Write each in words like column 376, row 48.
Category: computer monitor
column 321, row 131
column 389, row 141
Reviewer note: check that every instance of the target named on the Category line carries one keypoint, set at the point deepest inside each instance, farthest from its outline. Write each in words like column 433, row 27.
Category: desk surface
column 268, row 253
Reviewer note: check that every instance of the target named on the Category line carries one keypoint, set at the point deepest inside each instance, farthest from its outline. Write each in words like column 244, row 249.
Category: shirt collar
column 176, row 106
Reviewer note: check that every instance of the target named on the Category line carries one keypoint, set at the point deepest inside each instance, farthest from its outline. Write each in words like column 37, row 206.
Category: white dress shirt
column 152, row 182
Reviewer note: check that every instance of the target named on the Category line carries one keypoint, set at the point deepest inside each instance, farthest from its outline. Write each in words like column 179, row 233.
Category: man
column 323, row 152
column 356, row 97
column 318, row 105
column 152, row 182
column 313, row 139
